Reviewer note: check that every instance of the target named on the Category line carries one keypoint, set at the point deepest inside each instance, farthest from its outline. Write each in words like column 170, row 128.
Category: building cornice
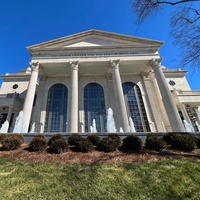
column 15, row 76
column 174, row 73
column 90, row 33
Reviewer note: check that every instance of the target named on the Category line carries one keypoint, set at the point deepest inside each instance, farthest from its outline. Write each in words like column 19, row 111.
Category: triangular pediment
column 94, row 38
column 94, row 42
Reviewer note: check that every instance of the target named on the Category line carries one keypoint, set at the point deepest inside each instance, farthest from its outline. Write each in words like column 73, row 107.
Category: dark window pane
column 94, row 107
column 56, row 111
column 135, row 106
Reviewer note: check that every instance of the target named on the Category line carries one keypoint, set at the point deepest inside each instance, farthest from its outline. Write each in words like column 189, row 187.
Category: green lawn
column 172, row 179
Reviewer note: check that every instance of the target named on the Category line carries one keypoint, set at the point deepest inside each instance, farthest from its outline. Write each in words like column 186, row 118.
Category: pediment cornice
column 94, row 40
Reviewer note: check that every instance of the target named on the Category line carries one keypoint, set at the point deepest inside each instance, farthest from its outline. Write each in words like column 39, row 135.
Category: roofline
column 88, row 32
column 15, row 76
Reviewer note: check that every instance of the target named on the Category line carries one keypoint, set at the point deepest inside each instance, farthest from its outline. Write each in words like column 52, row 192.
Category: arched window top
column 129, row 82
column 93, row 84
column 129, row 88
column 57, row 85
column 132, row 84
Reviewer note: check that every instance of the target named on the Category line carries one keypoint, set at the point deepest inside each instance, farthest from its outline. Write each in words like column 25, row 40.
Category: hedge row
column 112, row 142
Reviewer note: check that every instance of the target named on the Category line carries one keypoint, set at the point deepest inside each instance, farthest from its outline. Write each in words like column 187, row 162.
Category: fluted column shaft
column 185, row 115
column 154, row 108
column 10, row 108
column 172, row 112
column 73, row 108
column 119, row 96
column 28, row 103
column 197, row 110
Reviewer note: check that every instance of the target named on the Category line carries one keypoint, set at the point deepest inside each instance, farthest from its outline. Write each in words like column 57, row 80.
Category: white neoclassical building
column 75, row 79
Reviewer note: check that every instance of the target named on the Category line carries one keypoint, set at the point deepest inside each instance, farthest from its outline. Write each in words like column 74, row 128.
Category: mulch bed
column 96, row 157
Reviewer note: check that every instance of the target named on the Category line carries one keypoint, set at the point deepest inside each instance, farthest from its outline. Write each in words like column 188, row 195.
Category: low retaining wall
column 142, row 135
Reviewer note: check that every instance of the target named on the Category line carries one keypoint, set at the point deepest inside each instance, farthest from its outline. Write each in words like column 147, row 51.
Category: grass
column 171, row 179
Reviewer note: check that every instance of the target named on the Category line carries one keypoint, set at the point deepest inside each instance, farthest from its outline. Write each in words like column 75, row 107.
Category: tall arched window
column 94, row 107
column 135, row 106
column 56, row 110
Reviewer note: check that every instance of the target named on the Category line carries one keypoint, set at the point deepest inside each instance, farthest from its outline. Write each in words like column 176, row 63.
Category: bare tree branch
column 147, row 8
column 185, row 30
column 175, row 3
column 185, row 25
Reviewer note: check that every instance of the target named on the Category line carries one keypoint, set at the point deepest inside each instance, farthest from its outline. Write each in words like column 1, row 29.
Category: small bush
column 94, row 139
column 2, row 137
column 115, row 137
column 74, row 139
column 84, row 145
column 107, row 145
column 132, row 143
column 58, row 146
column 38, row 144
column 169, row 137
column 18, row 137
column 198, row 142
column 39, row 135
column 183, row 142
column 56, row 137
column 153, row 142
column 10, row 143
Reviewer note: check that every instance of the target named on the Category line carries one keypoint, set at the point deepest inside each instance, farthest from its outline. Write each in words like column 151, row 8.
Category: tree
column 184, row 22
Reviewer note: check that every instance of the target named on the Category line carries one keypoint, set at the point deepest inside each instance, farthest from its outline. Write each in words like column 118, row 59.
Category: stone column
column 8, row 118
column 172, row 112
column 28, row 103
column 10, row 109
column 185, row 115
column 73, row 108
column 197, row 110
column 119, row 96
column 153, row 104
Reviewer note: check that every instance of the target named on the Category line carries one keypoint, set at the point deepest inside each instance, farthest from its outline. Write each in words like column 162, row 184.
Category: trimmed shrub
column 132, row 143
column 39, row 135
column 153, row 142
column 38, row 144
column 94, row 139
column 18, row 137
column 74, row 139
column 58, row 146
column 198, row 142
column 10, row 143
column 115, row 137
column 107, row 145
column 169, row 137
column 2, row 137
column 183, row 142
column 84, row 145
column 56, row 137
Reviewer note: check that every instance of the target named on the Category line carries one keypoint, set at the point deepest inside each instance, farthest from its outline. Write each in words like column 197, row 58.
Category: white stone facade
column 108, row 61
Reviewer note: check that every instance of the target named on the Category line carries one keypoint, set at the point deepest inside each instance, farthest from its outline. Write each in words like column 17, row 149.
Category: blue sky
column 27, row 22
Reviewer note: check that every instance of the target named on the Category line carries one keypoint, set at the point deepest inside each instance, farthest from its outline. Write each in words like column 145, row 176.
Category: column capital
column 35, row 66
column 74, row 65
column 156, row 62
column 115, row 63
column 146, row 74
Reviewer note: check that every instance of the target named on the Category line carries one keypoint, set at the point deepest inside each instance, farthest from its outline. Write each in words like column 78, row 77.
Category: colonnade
column 171, row 109
column 73, row 108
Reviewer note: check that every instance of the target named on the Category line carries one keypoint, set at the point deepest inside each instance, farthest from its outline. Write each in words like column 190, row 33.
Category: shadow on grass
column 174, row 153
